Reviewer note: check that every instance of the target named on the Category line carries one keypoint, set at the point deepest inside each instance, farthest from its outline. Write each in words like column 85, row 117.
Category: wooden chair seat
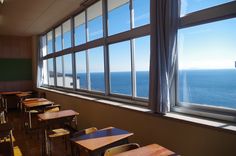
column 58, row 132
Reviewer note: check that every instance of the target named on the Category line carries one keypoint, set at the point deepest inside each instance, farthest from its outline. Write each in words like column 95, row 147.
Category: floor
column 28, row 143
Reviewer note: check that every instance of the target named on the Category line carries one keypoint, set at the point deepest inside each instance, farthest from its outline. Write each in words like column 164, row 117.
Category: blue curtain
column 163, row 53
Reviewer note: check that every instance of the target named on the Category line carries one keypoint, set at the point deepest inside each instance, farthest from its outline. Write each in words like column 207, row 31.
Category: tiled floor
column 29, row 143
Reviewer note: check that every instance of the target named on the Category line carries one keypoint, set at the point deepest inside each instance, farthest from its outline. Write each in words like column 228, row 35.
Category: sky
column 200, row 47
column 207, row 46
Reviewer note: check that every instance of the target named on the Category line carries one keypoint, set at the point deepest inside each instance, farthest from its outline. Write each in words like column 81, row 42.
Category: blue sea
column 120, row 83
column 206, row 87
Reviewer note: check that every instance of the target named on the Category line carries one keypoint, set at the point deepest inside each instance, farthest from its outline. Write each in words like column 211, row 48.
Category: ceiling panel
column 32, row 17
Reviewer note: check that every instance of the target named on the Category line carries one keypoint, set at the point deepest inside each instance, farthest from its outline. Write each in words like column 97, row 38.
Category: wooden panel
column 15, row 85
column 15, row 47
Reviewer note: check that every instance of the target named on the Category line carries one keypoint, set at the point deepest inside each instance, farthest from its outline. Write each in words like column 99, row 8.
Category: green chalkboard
column 15, row 69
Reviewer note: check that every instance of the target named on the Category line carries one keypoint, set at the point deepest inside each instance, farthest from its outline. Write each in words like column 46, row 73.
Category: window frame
column 132, row 34
column 212, row 14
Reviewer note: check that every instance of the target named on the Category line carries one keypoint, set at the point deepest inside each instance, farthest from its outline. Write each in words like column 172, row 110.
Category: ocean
column 206, row 87
column 120, row 83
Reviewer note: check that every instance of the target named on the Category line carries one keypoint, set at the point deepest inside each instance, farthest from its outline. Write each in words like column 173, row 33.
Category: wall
column 182, row 137
column 14, row 47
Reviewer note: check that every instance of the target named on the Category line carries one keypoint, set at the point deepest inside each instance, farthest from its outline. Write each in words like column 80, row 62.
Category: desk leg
column 30, row 123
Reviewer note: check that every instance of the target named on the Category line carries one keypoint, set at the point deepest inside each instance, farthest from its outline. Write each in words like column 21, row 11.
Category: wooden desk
column 56, row 115
column 97, row 142
column 4, row 96
column 49, row 118
column 149, row 150
column 34, row 103
column 22, row 96
column 37, row 103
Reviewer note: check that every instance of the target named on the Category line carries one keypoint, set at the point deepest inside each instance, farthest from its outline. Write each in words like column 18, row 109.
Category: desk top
column 20, row 95
column 37, row 103
column 31, row 100
column 149, row 150
column 101, row 138
column 10, row 93
column 56, row 115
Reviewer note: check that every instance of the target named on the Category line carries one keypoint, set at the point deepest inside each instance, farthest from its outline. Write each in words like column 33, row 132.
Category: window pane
column 188, row 6
column 51, row 72
column 81, row 70
column 45, row 72
column 207, row 64
column 59, row 71
column 142, row 63
column 118, row 16
column 96, row 67
column 141, row 12
column 94, row 17
column 49, row 43
column 120, row 68
column 58, row 39
column 66, row 34
column 44, row 45
column 68, row 71
column 80, row 33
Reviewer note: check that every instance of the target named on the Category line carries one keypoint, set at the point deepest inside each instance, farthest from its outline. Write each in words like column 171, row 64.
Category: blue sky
column 207, row 46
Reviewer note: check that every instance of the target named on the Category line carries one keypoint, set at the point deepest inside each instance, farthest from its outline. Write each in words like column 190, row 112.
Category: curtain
column 39, row 63
column 163, row 53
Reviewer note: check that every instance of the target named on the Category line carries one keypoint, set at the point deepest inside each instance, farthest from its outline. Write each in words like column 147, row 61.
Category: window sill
column 188, row 119
column 100, row 100
column 205, row 122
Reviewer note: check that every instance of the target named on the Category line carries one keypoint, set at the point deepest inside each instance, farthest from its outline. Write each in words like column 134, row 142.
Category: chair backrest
column 85, row 131
column 36, row 94
column 122, row 148
column 53, row 108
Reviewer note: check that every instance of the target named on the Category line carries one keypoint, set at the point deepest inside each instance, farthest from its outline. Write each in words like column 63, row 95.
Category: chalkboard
column 15, row 69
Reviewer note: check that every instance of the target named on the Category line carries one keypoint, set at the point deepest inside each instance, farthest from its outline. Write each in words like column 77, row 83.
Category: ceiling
column 32, row 17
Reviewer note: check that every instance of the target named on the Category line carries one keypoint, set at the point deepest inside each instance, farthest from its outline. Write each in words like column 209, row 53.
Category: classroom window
column 66, row 26
column 207, row 64
column 68, row 70
column 120, row 68
column 58, row 39
column 49, row 43
column 96, row 69
column 104, row 54
column 80, row 32
column 142, row 63
column 43, row 45
column 118, row 16
column 141, row 12
column 51, row 81
column 59, row 71
column 94, row 21
column 206, row 60
column 81, row 70
column 189, row 6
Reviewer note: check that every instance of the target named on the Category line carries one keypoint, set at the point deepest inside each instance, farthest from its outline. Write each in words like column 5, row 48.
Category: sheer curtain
column 163, row 53
column 39, row 63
